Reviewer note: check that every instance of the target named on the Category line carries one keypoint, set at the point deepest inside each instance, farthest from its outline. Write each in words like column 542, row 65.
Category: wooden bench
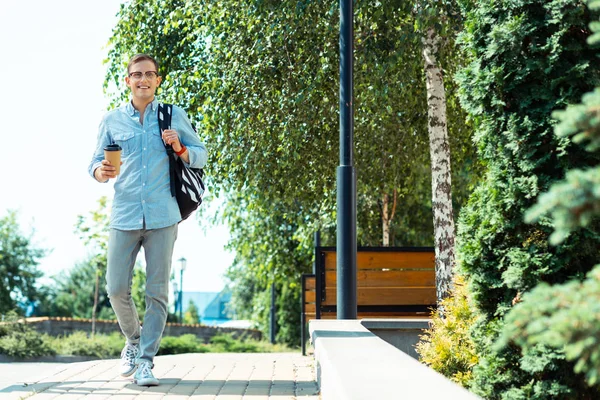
column 391, row 282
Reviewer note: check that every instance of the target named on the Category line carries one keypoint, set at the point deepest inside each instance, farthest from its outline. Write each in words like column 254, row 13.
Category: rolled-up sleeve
column 102, row 141
column 188, row 136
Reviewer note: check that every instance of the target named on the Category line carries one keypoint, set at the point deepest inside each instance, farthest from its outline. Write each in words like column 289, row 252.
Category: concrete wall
column 355, row 364
column 66, row 326
column 403, row 334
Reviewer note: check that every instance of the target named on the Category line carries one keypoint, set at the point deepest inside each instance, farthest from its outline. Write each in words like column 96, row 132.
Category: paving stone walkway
column 223, row 376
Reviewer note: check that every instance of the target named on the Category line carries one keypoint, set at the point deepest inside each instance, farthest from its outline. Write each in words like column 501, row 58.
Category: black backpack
column 186, row 183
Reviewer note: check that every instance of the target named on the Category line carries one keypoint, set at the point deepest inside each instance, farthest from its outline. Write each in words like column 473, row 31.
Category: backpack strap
column 165, row 114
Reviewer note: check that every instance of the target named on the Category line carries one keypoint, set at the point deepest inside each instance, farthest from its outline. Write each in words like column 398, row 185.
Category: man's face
column 143, row 80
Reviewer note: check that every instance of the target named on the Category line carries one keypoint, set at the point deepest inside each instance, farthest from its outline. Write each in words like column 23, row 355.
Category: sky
column 51, row 105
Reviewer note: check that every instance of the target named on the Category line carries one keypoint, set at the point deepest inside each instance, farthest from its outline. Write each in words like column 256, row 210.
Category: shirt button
column 143, row 201
column 144, row 148
column 144, row 184
column 144, row 166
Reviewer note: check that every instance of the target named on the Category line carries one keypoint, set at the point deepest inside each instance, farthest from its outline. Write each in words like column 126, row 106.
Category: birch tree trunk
column 441, row 186
column 385, row 220
column 387, row 216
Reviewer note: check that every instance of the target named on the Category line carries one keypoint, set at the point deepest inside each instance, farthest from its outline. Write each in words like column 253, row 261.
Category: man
column 144, row 213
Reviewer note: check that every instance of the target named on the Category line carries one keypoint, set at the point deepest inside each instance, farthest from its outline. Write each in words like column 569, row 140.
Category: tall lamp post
column 183, row 262
column 346, row 175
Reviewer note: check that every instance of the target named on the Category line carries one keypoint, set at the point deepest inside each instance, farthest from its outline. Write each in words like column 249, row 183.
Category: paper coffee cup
column 112, row 153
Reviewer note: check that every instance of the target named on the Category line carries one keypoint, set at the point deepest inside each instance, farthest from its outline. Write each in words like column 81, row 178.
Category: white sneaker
column 129, row 355
column 143, row 375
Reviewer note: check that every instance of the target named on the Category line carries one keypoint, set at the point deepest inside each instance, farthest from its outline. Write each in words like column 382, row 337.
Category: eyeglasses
column 138, row 75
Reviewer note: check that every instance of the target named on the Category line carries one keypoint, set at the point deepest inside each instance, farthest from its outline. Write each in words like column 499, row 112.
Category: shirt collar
column 131, row 109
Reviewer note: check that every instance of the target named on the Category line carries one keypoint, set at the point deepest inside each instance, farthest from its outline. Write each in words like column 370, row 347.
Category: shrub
column 19, row 340
column 446, row 346
column 227, row 344
column 182, row 344
column 80, row 344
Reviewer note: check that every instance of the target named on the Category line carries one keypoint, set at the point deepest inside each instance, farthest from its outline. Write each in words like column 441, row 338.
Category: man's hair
column 142, row 57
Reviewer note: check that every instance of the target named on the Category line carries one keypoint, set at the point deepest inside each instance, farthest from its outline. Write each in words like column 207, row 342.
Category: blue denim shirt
column 142, row 189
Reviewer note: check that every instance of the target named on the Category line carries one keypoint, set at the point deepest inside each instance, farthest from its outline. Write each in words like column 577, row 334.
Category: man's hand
column 106, row 171
column 171, row 137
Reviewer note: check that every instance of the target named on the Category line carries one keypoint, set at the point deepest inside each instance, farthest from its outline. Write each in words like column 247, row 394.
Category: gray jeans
column 123, row 248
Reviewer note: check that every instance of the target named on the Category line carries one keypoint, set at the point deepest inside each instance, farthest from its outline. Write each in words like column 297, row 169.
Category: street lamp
column 175, row 296
column 346, row 174
column 183, row 262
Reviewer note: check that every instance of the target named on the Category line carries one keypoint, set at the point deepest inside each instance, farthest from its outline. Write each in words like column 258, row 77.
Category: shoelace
column 145, row 369
column 130, row 352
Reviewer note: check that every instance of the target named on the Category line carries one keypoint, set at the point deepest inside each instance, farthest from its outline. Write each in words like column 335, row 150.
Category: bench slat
column 310, row 296
column 383, row 296
column 404, row 315
column 407, row 278
column 388, row 260
column 310, row 283
column 310, row 308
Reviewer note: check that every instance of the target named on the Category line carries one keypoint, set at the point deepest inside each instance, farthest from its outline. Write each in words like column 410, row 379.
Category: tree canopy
column 73, row 291
column 19, row 259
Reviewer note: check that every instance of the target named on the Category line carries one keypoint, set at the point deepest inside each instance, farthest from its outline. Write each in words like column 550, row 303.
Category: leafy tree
column 72, row 294
column 529, row 57
column 254, row 269
column 191, row 315
column 81, row 292
column 224, row 58
column 435, row 18
column 19, row 259
column 93, row 230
